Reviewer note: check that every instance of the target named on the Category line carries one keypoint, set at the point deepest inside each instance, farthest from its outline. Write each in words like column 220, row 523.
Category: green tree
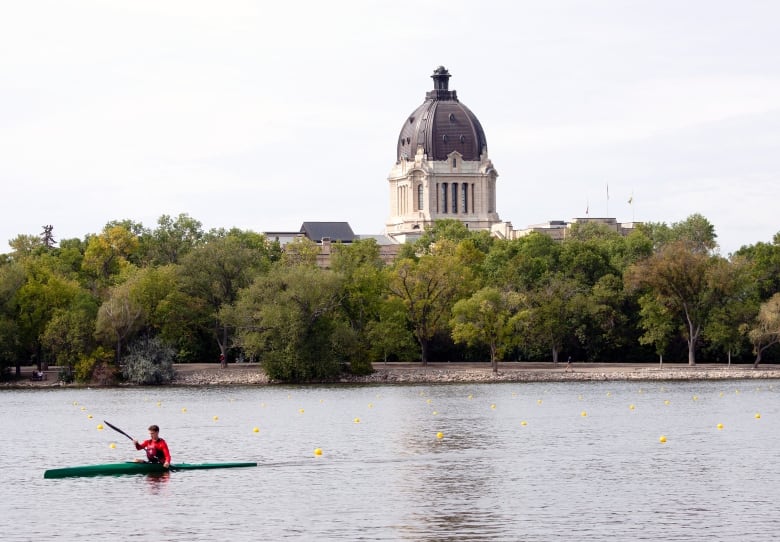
column 12, row 277
column 428, row 287
column 389, row 335
column 688, row 282
column 109, row 254
column 486, row 318
column 288, row 318
column 213, row 274
column 119, row 318
column 552, row 314
column 172, row 239
column 658, row 324
column 766, row 330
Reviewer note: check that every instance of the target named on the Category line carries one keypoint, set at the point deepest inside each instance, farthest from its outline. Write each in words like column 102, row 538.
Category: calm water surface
column 384, row 474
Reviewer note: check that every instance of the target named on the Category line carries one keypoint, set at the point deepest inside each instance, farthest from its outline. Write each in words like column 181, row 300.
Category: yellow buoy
column 300, row 411
column 83, row 408
column 89, row 416
column 493, row 407
column 631, row 407
column 184, row 410
column 215, row 418
column 255, row 430
column 112, row 445
column 666, row 402
column 428, row 401
column 435, row 413
column 317, row 451
column 523, row 423
column 356, row 420
column 662, row 439
column 538, row 401
column 695, row 398
column 583, row 413
column 100, row 427
column 439, row 435
column 159, row 403
column 720, row 426
column 758, row 415
column 370, row 405
column 470, row 397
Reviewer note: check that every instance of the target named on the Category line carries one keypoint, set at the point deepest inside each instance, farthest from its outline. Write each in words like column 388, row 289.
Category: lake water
column 383, row 473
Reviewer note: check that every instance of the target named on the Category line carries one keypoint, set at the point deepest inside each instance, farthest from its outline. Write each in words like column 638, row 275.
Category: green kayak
column 109, row 469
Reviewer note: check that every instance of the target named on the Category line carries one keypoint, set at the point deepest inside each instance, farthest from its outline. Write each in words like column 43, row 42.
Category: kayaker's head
column 154, row 432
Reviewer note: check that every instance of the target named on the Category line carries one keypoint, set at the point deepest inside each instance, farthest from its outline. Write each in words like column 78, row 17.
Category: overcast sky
column 262, row 115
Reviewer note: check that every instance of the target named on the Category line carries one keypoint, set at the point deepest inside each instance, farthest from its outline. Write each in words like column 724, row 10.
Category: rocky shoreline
column 477, row 373
column 251, row 374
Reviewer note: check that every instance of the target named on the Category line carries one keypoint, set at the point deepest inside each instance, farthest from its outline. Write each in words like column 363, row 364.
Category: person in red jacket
column 156, row 448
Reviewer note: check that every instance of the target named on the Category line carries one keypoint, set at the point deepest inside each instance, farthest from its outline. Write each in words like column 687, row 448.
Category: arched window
column 420, row 198
column 464, row 197
column 444, row 197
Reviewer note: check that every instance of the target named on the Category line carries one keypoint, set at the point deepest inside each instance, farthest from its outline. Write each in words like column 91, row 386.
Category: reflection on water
column 516, row 462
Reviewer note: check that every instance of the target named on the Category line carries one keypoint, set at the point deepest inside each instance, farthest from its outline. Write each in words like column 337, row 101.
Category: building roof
column 335, row 231
column 442, row 125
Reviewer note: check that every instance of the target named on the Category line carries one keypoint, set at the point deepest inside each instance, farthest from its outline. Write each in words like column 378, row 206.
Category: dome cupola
column 442, row 125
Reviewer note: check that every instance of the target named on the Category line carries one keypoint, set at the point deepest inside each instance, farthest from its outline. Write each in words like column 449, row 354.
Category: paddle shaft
column 115, row 428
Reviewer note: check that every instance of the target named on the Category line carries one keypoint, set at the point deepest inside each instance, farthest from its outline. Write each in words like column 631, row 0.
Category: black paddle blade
column 115, row 428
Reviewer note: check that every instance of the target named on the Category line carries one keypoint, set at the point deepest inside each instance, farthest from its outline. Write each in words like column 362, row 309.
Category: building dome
column 442, row 125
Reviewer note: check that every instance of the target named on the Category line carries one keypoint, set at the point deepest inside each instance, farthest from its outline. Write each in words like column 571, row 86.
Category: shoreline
column 250, row 374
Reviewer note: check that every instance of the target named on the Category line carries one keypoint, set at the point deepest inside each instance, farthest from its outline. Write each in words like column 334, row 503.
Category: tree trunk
column 424, row 352
column 660, row 359
column 692, row 352
column 758, row 358
column 555, row 355
column 493, row 360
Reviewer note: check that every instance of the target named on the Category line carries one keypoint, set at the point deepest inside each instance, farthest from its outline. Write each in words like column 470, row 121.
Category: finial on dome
column 440, row 78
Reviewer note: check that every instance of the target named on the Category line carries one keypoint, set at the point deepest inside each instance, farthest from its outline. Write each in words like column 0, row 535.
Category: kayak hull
column 110, row 469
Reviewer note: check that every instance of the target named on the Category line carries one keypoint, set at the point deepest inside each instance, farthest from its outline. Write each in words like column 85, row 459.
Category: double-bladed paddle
column 115, row 428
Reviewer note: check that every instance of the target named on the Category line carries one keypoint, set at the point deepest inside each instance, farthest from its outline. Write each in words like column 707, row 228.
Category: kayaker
column 156, row 448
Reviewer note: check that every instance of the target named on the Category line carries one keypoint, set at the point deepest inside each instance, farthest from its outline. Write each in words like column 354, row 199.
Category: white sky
column 263, row 115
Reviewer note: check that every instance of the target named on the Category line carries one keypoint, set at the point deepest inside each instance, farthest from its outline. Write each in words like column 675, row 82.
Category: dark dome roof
column 441, row 125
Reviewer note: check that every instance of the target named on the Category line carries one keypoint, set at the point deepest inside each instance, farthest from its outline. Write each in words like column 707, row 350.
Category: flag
column 587, row 208
column 607, row 190
column 631, row 200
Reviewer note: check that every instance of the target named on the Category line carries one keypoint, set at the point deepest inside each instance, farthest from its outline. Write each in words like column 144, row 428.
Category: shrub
column 148, row 362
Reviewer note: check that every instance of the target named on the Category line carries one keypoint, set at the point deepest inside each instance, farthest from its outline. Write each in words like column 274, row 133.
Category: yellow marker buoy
column 493, row 407
column 100, row 427
column 112, row 445
column 470, row 397
column 583, row 413
column 666, row 402
column 159, row 403
column 83, row 408
column 435, row 413
column 300, row 411
column 356, row 420
column 184, row 410
column 89, row 416
column 538, row 401
column 631, row 407
column 695, row 398
column 370, row 405
column 439, row 435
column 428, row 401
column 523, row 423
column 255, row 430
column 757, row 415
column 317, row 451
column 719, row 426
column 216, row 418
column 662, row 439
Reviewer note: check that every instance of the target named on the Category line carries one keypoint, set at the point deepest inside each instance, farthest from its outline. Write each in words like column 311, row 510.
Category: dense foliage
column 129, row 301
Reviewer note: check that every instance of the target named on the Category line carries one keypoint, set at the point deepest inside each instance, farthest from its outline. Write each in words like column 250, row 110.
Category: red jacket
column 156, row 450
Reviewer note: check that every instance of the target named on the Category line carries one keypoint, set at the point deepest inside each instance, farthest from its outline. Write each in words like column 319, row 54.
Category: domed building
column 442, row 169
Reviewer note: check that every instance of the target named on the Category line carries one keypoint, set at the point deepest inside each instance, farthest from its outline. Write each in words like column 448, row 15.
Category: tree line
column 128, row 301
